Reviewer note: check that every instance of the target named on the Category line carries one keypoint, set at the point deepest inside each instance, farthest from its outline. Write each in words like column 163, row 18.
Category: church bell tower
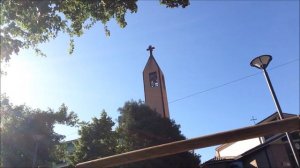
column 154, row 86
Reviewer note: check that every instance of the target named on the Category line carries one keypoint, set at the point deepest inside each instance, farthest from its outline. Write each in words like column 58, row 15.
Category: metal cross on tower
column 150, row 48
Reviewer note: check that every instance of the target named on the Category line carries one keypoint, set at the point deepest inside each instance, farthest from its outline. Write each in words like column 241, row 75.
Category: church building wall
column 238, row 148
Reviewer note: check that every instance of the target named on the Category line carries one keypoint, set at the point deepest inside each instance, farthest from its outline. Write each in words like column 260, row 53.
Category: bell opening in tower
column 153, row 79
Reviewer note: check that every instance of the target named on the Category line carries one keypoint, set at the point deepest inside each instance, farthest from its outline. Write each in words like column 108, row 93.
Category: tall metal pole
column 279, row 111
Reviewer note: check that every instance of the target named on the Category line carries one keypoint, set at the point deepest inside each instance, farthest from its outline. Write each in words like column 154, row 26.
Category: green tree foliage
column 97, row 139
column 27, row 23
column 141, row 127
column 28, row 133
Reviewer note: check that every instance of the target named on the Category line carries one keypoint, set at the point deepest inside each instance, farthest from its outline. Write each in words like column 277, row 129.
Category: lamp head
column 261, row 62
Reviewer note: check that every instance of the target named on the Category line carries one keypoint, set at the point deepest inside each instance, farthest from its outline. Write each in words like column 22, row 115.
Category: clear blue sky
column 200, row 47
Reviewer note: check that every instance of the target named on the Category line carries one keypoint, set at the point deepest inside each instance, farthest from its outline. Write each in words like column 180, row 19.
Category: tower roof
column 151, row 59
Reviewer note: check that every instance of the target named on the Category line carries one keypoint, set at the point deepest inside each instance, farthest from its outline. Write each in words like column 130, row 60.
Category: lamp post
column 262, row 63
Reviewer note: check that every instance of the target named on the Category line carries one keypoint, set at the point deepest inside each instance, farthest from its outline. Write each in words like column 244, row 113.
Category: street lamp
column 262, row 63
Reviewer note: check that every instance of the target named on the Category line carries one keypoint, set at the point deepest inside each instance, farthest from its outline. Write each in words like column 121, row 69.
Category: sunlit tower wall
column 155, row 88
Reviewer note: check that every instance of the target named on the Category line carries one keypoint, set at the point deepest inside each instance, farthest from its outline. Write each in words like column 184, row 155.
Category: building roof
column 217, row 160
column 274, row 117
column 270, row 118
column 261, row 146
column 274, row 138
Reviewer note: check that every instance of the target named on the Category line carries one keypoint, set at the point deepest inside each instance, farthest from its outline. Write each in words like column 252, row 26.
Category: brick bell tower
column 154, row 86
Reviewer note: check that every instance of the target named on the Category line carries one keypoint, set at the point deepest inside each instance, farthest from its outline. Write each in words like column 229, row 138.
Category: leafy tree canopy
column 140, row 127
column 97, row 139
column 27, row 23
column 27, row 134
